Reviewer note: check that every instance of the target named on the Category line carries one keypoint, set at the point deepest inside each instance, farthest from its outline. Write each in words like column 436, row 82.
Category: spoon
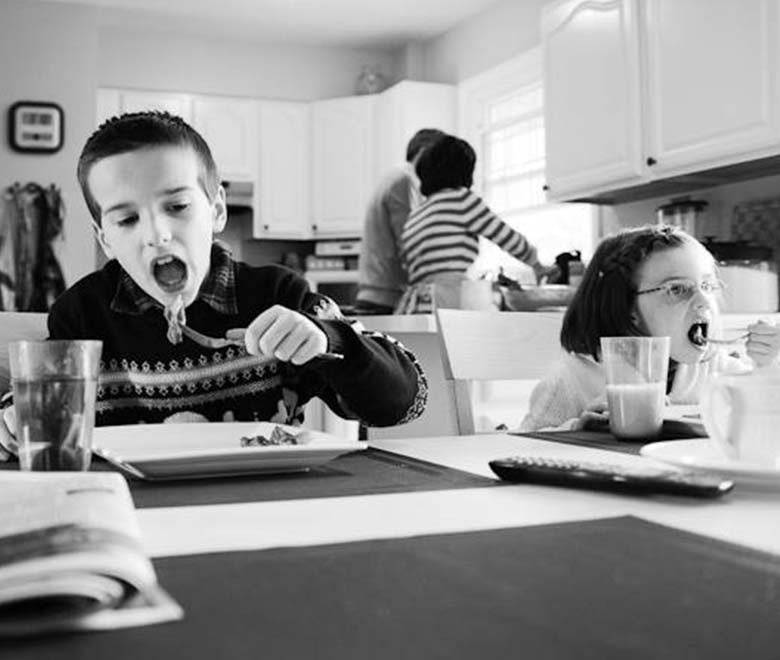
column 726, row 342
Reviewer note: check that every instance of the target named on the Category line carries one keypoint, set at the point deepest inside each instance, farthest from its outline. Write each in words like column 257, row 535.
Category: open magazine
column 71, row 556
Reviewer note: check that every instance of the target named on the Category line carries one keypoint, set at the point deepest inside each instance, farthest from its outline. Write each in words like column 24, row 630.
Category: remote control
column 609, row 476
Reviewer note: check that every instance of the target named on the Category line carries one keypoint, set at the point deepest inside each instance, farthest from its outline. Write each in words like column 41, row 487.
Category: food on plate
column 278, row 437
column 174, row 315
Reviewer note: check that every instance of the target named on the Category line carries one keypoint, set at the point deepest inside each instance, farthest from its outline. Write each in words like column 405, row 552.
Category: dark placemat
column 367, row 472
column 597, row 435
column 615, row 588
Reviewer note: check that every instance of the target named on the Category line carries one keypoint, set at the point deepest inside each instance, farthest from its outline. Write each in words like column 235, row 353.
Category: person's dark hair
column 603, row 305
column 421, row 140
column 143, row 130
column 447, row 163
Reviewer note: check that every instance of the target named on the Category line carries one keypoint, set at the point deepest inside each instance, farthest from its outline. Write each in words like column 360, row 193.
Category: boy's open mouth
column 697, row 333
column 170, row 273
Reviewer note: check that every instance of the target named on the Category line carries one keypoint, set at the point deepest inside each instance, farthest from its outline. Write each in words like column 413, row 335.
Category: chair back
column 485, row 346
column 14, row 326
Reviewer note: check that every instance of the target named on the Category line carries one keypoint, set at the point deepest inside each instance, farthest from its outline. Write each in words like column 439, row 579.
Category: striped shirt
column 442, row 235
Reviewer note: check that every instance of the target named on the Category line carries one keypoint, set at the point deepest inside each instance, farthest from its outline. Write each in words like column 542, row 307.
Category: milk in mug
column 636, row 410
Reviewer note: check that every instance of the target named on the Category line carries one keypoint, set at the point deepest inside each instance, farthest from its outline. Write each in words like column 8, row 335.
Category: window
column 502, row 118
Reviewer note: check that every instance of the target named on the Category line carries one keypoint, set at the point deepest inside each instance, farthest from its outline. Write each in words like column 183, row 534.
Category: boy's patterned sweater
column 145, row 378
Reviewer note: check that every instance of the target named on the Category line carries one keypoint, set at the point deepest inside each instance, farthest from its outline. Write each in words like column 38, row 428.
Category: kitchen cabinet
column 712, row 81
column 112, row 102
column 592, row 96
column 343, row 163
column 642, row 91
column 229, row 126
column 284, row 144
column 404, row 109
column 357, row 139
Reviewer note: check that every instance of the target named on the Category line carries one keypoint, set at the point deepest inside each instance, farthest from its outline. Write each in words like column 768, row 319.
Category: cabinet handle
column 651, row 161
column 265, row 227
column 545, row 187
column 314, row 227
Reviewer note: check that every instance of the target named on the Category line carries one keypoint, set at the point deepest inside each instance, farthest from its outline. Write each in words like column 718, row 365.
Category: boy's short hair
column 447, row 163
column 421, row 140
column 142, row 130
column 603, row 305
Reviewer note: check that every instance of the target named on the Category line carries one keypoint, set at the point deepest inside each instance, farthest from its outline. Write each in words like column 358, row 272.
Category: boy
column 152, row 188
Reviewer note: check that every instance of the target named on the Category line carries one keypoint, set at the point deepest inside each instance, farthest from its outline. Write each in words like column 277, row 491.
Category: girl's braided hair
column 604, row 303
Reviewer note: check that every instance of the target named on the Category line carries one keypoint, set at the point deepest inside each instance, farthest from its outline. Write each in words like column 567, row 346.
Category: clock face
column 35, row 127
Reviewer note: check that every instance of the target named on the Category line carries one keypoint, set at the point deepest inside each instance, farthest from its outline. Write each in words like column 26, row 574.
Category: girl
column 654, row 281
column 440, row 240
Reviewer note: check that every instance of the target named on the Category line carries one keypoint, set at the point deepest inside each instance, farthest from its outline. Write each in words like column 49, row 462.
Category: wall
column 193, row 63
column 41, row 48
column 505, row 30
column 717, row 221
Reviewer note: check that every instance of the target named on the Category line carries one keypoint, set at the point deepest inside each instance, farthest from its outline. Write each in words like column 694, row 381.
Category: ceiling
column 383, row 24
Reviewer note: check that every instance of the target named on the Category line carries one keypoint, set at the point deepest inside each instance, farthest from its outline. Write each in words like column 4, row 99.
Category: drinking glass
column 54, row 387
column 636, row 370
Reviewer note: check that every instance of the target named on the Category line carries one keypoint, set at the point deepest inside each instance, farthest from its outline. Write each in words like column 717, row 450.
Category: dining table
column 413, row 548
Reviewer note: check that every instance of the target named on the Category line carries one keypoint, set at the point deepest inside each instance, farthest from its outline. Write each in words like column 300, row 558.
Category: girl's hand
column 595, row 414
column 285, row 334
column 763, row 343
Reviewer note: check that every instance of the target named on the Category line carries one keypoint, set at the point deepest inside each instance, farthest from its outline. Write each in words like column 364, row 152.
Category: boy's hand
column 286, row 335
column 763, row 344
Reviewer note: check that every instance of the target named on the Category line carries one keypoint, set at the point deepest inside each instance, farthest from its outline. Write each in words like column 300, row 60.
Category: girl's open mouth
column 697, row 333
column 170, row 273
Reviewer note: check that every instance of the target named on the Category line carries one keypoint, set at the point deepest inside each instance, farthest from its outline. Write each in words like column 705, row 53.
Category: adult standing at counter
column 382, row 278
column 441, row 237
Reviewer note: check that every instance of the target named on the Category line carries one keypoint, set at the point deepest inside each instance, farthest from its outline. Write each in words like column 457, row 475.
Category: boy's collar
column 218, row 289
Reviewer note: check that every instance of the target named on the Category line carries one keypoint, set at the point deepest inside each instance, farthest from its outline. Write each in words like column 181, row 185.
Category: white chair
column 14, row 326
column 488, row 346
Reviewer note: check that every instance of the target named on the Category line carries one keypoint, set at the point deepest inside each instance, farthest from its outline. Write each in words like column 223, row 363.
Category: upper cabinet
column 284, row 146
column 229, row 126
column 592, row 107
column 640, row 91
column 357, row 139
column 404, row 109
column 343, row 163
column 112, row 102
column 712, row 81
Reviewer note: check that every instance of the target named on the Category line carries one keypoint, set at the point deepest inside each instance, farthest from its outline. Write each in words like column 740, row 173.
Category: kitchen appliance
column 749, row 273
column 683, row 212
column 239, row 195
column 571, row 268
column 332, row 271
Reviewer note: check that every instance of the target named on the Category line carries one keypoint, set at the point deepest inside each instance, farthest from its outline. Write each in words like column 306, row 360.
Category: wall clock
column 35, row 127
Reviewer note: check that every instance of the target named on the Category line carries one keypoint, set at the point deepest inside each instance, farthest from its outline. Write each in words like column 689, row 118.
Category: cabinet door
column 229, row 126
column 404, row 109
column 592, row 96
column 344, row 170
column 176, row 104
column 284, row 145
column 712, row 81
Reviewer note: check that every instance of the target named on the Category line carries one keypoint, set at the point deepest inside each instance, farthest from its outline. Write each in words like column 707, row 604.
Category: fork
column 222, row 342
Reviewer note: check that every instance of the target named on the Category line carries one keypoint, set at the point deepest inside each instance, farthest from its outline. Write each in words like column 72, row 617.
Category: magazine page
column 71, row 556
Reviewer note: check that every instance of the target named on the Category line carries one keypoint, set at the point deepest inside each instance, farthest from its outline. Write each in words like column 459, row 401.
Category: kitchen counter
column 399, row 323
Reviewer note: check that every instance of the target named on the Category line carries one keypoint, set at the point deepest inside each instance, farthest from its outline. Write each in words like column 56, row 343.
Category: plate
column 180, row 451
column 702, row 454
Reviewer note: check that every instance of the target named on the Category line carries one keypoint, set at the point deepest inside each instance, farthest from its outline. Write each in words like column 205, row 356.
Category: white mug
column 741, row 413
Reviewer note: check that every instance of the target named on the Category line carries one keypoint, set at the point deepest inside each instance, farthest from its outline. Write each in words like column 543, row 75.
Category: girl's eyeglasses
column 677, row 291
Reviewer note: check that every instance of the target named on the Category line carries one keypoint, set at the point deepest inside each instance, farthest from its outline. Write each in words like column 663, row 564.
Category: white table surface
column 747, row 516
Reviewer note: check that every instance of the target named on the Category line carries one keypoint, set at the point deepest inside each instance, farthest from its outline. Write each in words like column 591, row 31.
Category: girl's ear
column 101, row 238
column 220, row 211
